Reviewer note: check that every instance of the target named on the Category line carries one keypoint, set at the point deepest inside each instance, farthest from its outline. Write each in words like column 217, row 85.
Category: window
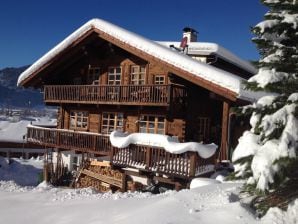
column 152, row 124
column 114, row 76
column 79, row 120
column 111, row 121
column 159, row 79
column 93, row 74
column 137, row 74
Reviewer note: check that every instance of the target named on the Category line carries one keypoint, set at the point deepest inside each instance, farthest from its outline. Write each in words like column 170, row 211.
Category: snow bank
column 276, row 215
column 122, row 140
column 199, row 182
column 23, row 172
column 11, row 131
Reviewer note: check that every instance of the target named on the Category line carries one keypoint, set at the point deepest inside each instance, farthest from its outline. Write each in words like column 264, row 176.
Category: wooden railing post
column 193, row 161
column 112, row 152
column 148, row 157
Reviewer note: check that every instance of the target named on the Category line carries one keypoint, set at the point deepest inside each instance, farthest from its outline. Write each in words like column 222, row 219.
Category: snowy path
column 208, row 204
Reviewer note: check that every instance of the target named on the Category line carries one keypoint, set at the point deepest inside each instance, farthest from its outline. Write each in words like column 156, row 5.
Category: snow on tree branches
column 265, row 152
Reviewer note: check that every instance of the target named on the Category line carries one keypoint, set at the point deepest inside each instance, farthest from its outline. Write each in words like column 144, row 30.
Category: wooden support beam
column 223, row 155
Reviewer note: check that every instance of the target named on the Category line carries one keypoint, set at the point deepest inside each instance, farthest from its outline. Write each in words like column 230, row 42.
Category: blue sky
column 28, row 29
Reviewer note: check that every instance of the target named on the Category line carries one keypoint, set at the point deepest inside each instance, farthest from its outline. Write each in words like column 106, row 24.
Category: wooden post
column 223, row 155
column 192, row 169
column 112, row 152
column 123, row 188
column 46, row 167
column 178, row 186
column 148, row 157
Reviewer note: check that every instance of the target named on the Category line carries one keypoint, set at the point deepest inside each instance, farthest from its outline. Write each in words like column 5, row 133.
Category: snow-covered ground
column 212, row 203
column 12, row 129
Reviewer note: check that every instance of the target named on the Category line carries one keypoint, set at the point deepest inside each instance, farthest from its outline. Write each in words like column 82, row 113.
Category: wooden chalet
column 105, row 78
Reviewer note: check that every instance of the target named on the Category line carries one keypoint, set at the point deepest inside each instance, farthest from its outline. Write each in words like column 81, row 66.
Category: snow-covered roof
column 205, row 48
column 212, row 75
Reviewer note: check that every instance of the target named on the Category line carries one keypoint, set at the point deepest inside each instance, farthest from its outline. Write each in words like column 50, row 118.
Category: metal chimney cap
column 189, row 29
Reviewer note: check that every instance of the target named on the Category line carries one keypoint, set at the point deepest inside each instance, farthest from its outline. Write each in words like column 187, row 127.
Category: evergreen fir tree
column 267, row 153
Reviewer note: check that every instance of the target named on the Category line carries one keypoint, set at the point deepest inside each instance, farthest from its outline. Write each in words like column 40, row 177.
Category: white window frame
column 155, row 124
column 138, row 74
column 112, row 121
column 79, row 120
column 114, row 75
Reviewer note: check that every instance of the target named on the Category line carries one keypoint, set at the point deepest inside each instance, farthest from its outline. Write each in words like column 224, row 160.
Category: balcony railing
column 147, row 158
column 158, row 95
column 70, row 140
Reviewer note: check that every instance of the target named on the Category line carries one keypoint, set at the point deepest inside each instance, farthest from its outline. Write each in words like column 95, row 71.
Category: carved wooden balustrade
column 147, row 158
column 153, row 95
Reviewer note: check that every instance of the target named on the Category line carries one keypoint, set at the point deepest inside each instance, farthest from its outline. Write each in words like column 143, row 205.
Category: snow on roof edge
column 209, row 48
column 55, row 51
column 217, row 76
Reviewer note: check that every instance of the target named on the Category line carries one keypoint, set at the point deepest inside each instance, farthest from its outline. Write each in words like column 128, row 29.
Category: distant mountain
column 13, row 96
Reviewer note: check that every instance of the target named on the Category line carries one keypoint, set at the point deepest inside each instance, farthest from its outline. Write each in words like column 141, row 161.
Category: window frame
column 78, row 118
column 159, row 82
column 137, row 77
column 148, row 121
column 91, row 77
column 115, row 120
column 114, row 74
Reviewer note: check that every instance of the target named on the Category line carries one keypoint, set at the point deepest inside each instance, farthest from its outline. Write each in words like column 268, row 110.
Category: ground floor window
column 152, row 124
column 79, row 120
column 111, row 121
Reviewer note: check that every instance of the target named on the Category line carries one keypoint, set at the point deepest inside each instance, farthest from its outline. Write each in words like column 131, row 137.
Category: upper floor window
column 79, row 120
column 114, row 76
column 137, row 74
column 93, row 74
column 152, row 124
column 111, row 121
column 159, row 79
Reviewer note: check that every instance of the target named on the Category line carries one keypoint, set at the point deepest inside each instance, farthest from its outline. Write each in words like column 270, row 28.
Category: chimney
column 191, row 34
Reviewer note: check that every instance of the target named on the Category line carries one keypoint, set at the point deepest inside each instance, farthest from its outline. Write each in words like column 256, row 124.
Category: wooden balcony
column 70, row 140
column 149, row 159
column 151, row 95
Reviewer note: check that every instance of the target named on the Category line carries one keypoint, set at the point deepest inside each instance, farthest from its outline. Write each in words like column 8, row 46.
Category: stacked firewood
column 101, row 168
column 86, row 181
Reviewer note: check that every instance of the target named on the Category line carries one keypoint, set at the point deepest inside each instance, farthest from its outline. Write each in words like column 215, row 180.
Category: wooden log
column 100, row 163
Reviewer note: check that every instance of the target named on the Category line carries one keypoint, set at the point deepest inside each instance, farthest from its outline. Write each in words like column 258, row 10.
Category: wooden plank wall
column 174, row 126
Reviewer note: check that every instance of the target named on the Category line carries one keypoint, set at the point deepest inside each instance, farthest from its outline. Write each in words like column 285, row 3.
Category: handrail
column 71, row 140
column 120, row 94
